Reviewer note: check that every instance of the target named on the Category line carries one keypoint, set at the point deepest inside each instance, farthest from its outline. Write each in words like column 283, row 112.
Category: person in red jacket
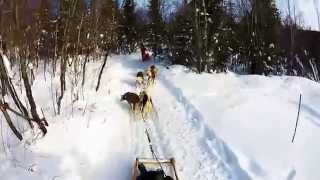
column 145, row 55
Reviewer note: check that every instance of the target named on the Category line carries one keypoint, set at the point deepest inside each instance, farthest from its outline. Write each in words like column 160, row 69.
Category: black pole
column 295, row 129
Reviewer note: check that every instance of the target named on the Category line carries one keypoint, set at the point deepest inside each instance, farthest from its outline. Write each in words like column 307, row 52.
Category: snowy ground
column 255, row 116
column 217, row 126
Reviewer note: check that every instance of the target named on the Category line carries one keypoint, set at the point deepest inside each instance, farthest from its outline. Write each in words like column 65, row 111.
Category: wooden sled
column 168, row 166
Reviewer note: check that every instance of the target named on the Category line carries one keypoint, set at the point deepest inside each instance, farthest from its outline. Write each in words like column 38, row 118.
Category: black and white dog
column 140, row 84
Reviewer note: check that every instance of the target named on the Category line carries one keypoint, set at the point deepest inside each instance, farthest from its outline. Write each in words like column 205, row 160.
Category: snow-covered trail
column 178, row 130
column 255, row 116
column 210, row 124
column 185, row 136
column 96, row 137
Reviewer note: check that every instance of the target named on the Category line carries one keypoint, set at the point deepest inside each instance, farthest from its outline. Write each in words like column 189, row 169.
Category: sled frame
column 152, row 162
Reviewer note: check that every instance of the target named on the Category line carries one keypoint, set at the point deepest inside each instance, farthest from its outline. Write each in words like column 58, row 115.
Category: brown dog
column 133, row 100
column 146, row 105
column 141, row 104
column 152, row 73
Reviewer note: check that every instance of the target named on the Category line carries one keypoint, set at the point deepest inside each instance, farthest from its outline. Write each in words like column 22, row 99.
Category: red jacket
column 144, row 54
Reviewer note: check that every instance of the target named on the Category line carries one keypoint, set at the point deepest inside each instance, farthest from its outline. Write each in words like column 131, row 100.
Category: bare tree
column 292, row 32
column 7, row 84
column 84, row 69
column 9, row 121
column 68, row 9
column 33, row 107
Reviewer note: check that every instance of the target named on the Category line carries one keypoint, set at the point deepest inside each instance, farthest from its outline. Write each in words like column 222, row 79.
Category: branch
column 9, row 121
column 101, row 71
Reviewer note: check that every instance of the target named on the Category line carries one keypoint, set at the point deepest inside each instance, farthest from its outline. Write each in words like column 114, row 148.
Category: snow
column 256, row 115
column 216, row 126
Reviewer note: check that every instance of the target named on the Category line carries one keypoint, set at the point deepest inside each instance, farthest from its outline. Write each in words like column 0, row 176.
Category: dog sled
column 163, row 169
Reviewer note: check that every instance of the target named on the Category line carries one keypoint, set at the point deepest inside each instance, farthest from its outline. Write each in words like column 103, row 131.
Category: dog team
column 142, row 104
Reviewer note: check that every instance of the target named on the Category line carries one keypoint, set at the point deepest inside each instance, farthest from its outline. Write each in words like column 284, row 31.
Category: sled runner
column 162, row 167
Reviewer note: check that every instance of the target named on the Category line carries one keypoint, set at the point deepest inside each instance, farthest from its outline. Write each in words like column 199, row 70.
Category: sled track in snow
column 191, row 141
column 180, row 131
column 140, row 143
column 140, row 139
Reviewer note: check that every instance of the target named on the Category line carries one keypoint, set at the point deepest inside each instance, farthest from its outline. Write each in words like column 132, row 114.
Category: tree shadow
column 215, row 147
column 311, row 111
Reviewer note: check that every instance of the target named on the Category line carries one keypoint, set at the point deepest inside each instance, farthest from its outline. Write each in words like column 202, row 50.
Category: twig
column 84, row 110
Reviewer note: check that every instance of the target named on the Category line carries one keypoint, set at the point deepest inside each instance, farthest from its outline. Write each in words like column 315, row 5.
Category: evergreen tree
column 180, row 41
column 204, row 35
column 157, row 27
column 45, row 30
column 221, row 36
column 127, row 29
column 107, row 25
column 259, row 32
column 223, row 45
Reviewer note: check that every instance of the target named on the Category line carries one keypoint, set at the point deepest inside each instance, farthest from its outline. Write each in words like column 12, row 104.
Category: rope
column 151, row 147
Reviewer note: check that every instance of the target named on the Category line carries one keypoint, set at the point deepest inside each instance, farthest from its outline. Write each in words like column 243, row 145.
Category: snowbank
column 255, row 116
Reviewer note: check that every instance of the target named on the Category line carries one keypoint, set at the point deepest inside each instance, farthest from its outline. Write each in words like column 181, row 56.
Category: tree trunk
column 8, row 119
column 79, row 34
column 292, row 36
column 197, row 40
column 62, row 82
column 6, row 83
column 3, row 87
column 32, row 103
column 84, row 69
